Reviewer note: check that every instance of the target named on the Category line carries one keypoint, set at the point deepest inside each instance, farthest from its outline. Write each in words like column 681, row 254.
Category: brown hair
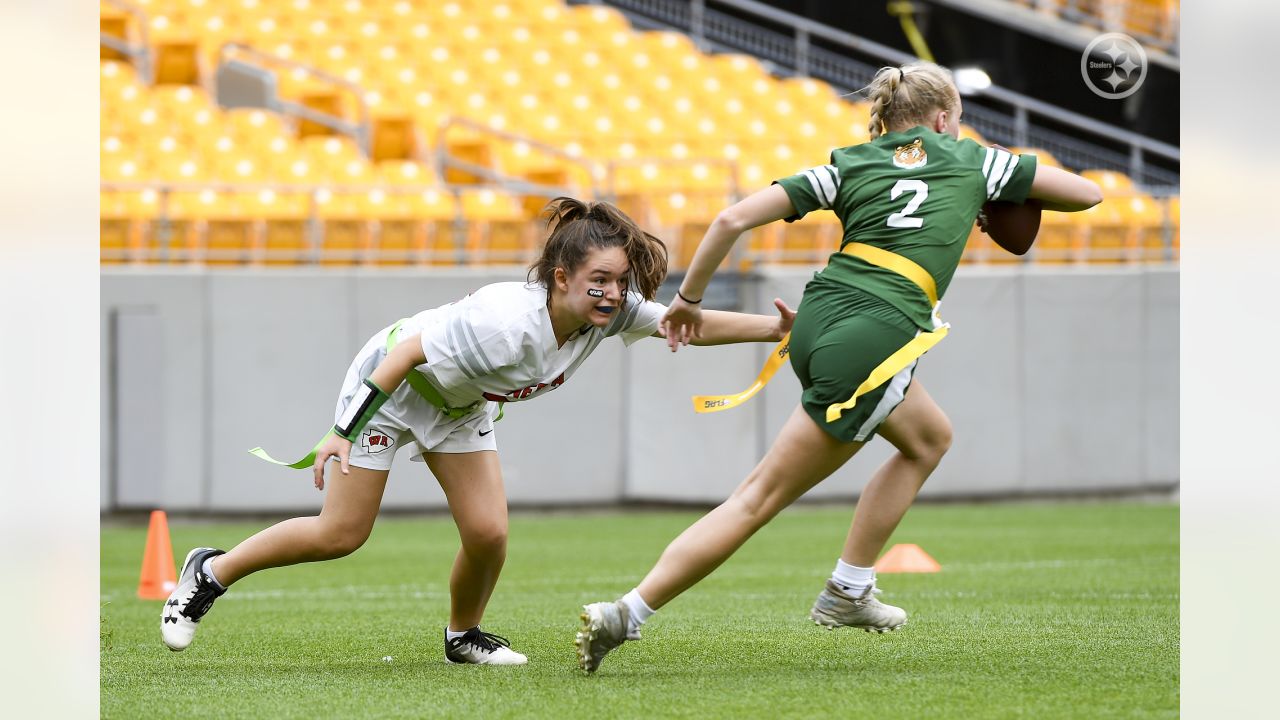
column 576, row 227
column 905, row 96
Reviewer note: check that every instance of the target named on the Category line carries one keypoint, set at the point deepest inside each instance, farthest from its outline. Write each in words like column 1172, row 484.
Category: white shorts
column 407, row 417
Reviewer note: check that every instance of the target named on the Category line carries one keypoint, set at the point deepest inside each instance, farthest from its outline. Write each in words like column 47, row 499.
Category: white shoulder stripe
column 1008, row 173
column 835, row 178
column 828, row 185
column 817, row 188
column 997, row 169
column 986, row 163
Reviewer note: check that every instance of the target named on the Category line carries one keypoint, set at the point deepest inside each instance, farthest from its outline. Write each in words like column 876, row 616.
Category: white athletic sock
column 207, row 569
column 855, row 580
column 451, row 634
column 639, row 612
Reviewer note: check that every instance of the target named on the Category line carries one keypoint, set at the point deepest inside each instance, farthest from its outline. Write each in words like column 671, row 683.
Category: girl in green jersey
column 907, row 200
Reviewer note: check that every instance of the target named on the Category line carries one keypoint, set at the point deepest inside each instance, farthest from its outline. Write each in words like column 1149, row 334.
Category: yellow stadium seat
column 474, row 151
column 597, row 20
column 1043, row 157
column 122, row 220
column 1061, row 239
column 229, row 234
column 283, row 217
column 1112, row 183
column 398, row 237
column 1107, row 237
column 967, row 132
column 346, row 229
column 1146, row 226
column 443, row 238
column 177, row 62
column 980, row 248
column 809, row 240
column 498, row 231
column 324, row 101
column 115, row 25
column 393, row 138
column 1152, row 18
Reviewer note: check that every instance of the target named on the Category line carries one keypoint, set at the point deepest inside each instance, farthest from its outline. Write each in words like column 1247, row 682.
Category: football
column 1013, row 226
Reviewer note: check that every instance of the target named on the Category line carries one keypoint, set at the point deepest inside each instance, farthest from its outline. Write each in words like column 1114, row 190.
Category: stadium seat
column 498, row 231
column 1112, row 183
column 631, row 98
column 1060, row 240
column 176, row 62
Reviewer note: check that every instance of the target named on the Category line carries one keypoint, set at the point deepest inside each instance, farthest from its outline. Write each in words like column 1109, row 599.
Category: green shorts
column 840, row 335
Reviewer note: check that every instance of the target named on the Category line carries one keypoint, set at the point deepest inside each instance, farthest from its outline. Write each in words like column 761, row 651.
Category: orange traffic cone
column 907, row 558
column 158, row 576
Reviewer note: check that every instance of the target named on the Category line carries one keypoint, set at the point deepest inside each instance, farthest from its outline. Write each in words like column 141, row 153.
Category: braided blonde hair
column 905, row 96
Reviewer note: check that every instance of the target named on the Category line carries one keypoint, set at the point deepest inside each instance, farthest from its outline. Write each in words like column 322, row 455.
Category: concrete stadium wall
column 1055, row 381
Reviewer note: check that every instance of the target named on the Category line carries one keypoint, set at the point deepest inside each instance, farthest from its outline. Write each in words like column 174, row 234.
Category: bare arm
column 759, row 208
column 683, row 321
column 405, row 356
column 1063, row 191
column 393, row 369
column 724, row 328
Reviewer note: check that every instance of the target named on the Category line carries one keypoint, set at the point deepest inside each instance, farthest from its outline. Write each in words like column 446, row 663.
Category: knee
column 487, row 539
column 755, row 502
column 341, row 541
column 934, row 441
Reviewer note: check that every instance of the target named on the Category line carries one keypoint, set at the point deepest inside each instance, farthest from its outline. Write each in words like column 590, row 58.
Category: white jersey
column 498, row 344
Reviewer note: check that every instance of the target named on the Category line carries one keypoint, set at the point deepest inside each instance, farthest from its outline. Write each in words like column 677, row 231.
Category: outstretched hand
column 334, row 446
column 786, row 317
column 682, row 323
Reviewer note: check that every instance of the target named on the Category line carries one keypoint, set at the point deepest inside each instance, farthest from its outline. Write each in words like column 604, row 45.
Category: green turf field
column 1041, row 611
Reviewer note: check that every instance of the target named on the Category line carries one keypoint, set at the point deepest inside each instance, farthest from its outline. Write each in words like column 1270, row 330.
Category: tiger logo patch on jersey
column 911, row 155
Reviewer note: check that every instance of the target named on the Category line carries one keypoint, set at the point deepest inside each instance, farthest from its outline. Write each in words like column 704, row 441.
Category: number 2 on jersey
column 903, row 218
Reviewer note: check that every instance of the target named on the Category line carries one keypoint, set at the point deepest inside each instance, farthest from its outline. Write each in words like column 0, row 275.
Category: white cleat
column 604, row 627
column 189, row 601
column 836, row 608
column 477, row 647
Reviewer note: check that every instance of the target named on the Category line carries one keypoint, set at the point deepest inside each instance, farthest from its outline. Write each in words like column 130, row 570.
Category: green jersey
column 915, row 193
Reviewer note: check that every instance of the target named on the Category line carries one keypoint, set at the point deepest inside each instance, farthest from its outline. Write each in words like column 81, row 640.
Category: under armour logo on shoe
column 172, row 603
column 171, row 619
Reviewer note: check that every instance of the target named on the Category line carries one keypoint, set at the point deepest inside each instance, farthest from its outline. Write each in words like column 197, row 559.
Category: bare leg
column 350, row 508
column 472, row 484
column 801, row 457
column 922, row 434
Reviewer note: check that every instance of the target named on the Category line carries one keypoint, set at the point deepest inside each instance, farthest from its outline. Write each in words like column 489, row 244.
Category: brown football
column 1013, row 226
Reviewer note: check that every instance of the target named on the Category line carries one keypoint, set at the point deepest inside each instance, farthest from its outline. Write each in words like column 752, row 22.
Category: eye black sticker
column 595, row 292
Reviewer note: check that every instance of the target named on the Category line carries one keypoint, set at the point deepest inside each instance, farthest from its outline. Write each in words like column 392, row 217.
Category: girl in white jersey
column 436, row 381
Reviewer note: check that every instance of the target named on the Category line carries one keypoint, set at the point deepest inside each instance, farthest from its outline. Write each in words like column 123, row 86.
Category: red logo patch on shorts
column 374, row 441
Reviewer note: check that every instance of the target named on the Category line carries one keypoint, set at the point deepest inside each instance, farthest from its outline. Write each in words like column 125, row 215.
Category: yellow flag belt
column 891, row 366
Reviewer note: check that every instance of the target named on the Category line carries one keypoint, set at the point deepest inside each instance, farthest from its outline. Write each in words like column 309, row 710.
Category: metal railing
column 445, row 160
column 140, row 53
column 168, row 236
column 232, row 64
column 794, row 52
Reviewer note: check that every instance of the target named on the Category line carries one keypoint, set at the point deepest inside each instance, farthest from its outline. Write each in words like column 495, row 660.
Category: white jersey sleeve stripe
column 462, row 354
column 986, row 162
column 835, row 177
column 828, row 184
column 451, row 344
column 1008, row 173
column 479, row 357
column 817, row 188
column 997, row 170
